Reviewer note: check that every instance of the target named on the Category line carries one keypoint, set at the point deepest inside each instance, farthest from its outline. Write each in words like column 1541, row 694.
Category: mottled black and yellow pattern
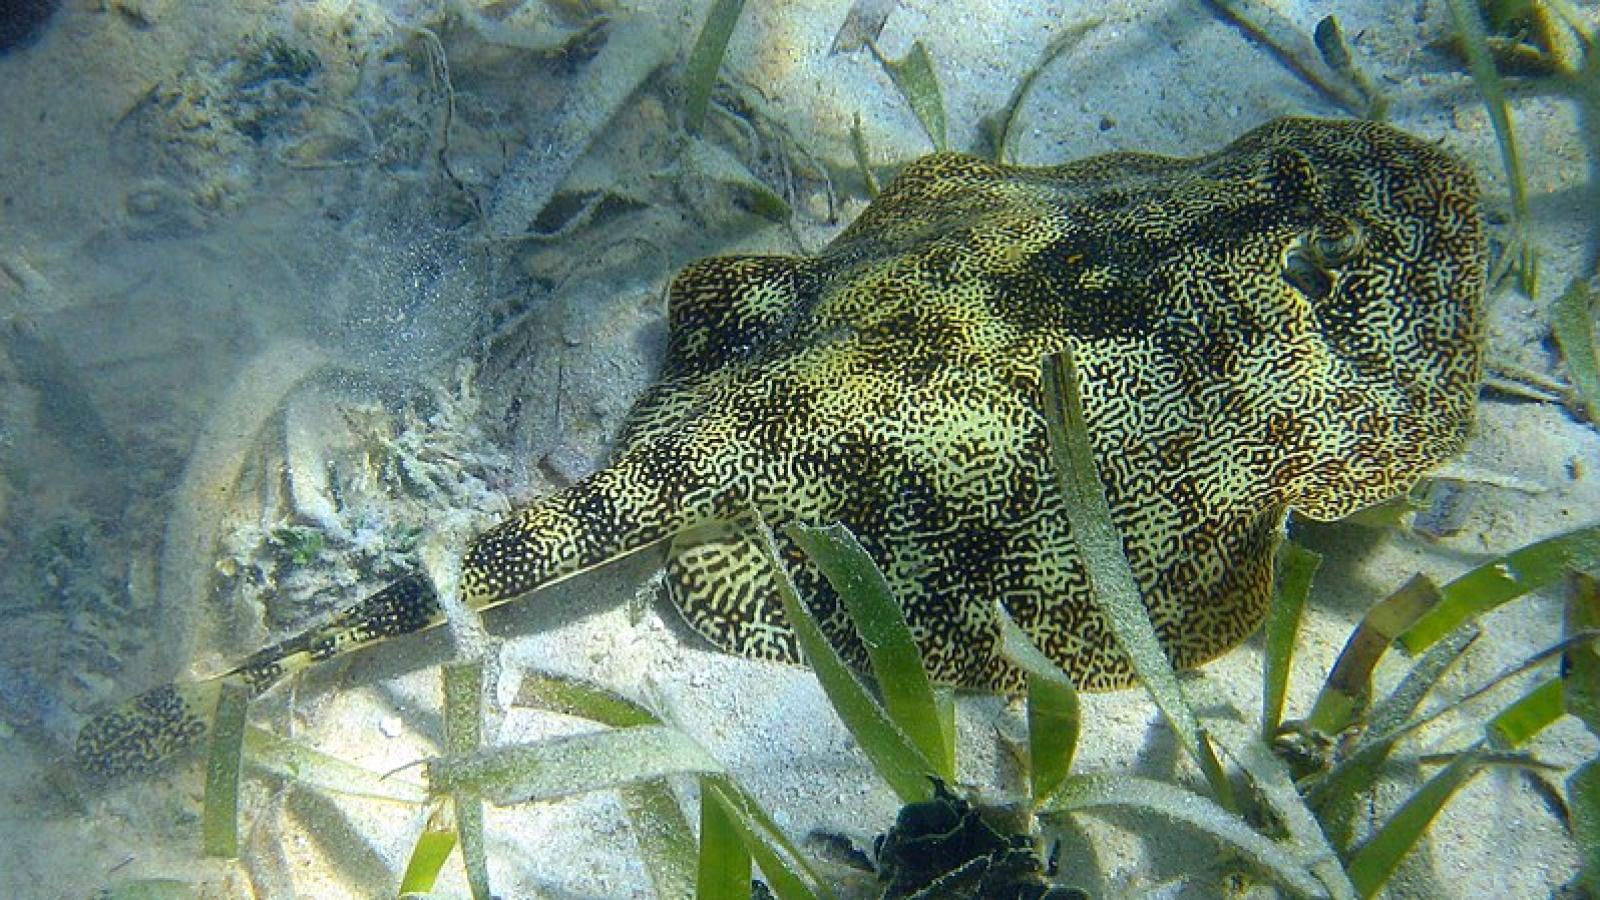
column 1292, row 322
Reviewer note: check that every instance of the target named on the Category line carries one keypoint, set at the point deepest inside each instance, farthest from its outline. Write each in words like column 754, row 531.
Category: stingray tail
column 636, row 502
column 135, row 736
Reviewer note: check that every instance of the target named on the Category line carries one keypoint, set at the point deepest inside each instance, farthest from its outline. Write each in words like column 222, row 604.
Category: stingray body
column 1294, row 321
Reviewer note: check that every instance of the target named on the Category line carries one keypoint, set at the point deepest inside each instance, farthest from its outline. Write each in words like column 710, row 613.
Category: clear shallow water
column 191, row 193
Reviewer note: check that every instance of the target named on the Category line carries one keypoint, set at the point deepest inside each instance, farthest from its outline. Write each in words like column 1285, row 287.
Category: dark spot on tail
column 134, row 738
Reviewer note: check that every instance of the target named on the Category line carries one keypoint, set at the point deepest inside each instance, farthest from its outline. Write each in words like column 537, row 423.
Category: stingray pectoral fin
column 138, row 734
column 724, row 587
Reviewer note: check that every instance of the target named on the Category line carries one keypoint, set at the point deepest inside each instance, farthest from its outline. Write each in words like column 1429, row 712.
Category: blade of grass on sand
column 219, row 820
column 1054, row 718
column 1274, row 785
column 783, row 869
column 1517, row 724
column 1372, row 865
column 895, row 758
column 913, row 75
column 1500, row 580
column 858, row 149
column 1583, row 798
column 1110, row 577
column 907, row 692
column 575, row 764
column 700, row 72
column 1296, row 567
column 298, row 762
column 1513, row 726
column 1580, row 665
column 1394, row 719
column 666, row 844
column 1337, row 794
column 1276, row 32
column 1480, row 62
column 724, row 866
column 997, row 126
column 572, row 697
column 463, row 733
column 1580, row 669
column 1086, row 792
column 1053, row 724
column 429, row 853
column 1348, row 688
column 1572, row 321
column 1393, row 712
column 1560, row 648
column 149, row 889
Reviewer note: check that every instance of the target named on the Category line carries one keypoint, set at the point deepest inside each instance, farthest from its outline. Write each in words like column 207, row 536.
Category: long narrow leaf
column 1583, row 797
column 913, row 75
column 1084, row 792
column 666, row 846
column 908, row 695
column 858, row 149
column 463, row 733
column 998, row 126
column 1274, row 784
column 219, row 820
column 1335, row 794
column 724, row 870
column 1517, row 724
column 1500, row 580
column 700, row 73
column 1580, row 664
column 1296, row 566
column 1480, row 61
column 463, row 707
column 1348, row 688
column 149, row 889
column 1111, row 579
column 1053, row 711
column 1392, row 712
column 896, row 759
column 1559, row 648
column 576, row 764
column 572, row 697
column 428, row 854
column 1282, row 37
column 1572, row 321
column 782, row 867
column 313, row 768
column 1053, row 725
column 1372, row 865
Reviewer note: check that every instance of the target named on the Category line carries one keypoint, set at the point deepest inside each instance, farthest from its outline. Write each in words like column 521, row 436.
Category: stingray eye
column 1310, row 264
column 1335, row 243
column 1306, row 275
